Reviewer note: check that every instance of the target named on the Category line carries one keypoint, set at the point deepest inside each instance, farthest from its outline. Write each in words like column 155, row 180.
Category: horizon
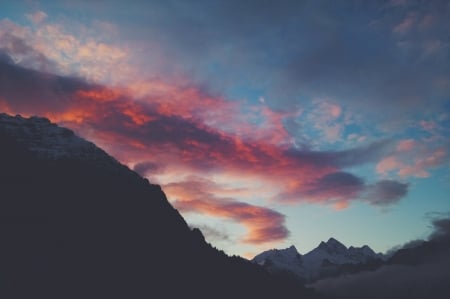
column 266, row 124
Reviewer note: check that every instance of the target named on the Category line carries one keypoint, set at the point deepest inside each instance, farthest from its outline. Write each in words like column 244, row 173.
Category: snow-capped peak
column 290, row 251
column 280, row 254
column 334, row 242
column 310, row 266
column 287, row 259
column 333, row 246
column 50, row 141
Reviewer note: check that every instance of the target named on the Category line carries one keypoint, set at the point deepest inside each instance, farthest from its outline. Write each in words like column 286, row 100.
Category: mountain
column 328, row 259
column 285, row 261
column 420, row 269
column 75, row 223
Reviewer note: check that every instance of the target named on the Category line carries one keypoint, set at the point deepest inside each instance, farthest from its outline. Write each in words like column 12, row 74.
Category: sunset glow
column 294, row 125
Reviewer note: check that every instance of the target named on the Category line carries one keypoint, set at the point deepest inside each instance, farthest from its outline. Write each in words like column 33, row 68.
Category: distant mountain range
column 75, row 223
column 328, row 259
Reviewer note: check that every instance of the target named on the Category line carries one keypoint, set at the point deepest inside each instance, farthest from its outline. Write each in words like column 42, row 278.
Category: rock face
column 74, row 223
column 328, row 259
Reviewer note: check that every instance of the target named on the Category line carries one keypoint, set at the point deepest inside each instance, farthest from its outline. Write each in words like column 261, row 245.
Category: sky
column 267, row 123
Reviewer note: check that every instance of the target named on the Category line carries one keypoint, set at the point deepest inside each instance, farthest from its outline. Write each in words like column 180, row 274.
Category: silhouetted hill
column 74, row 223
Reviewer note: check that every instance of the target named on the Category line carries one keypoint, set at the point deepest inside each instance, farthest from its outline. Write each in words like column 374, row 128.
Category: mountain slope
column 328, row 259
column 74, row 223
column 419, row 270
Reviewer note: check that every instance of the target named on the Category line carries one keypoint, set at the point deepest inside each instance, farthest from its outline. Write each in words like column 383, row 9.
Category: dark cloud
column 441, row 229
column 35, row 92
column 386, row 192
column 396, row 282
column 411, row 244
column 337, row 185
column 346, row 158
column 296, row 50
column 341, row 187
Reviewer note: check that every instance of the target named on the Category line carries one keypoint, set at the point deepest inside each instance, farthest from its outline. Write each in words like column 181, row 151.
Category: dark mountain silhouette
column 419, row 271
column 74, row 223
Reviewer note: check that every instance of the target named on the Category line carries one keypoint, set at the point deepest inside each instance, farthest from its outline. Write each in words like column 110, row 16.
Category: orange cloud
column 181, row 127
column 196, row 195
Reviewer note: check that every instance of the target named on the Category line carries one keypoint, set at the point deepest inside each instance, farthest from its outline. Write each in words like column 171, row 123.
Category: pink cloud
column 388, row 164
column 412, row 160
column 37, row 17
column 153, row 130
column 427, row 21
column 421, row 165
column 191, row 131
column 331, row 110
column 196, row 196
column 428, row 125
column 406, row 25
column 327, row 118
column 406, row 145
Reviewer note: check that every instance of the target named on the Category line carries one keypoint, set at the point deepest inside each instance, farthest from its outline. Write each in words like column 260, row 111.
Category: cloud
column 193, row 132
column 441, row 229
column 406, row 25
column 294, row 52
column 370, row 152
column 213, row 234
column 336, row 188
column 422, row 164
column 412, row 158
column 143, row 168
column 197, row 196
column 52, row 92
column 37, row 17
column 392, row 282
column 428, row 126
column 386, row 192
column 340, row 183
column 20, row 52
column 291, row 52
column 340, row 188
column 164, row 105
column 82, row 53
column 387, row 164
column 406, row 145
column 152, row 129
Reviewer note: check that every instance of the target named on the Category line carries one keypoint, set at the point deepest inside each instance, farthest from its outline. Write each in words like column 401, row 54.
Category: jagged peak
column 333, row 241
column 291, row 248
